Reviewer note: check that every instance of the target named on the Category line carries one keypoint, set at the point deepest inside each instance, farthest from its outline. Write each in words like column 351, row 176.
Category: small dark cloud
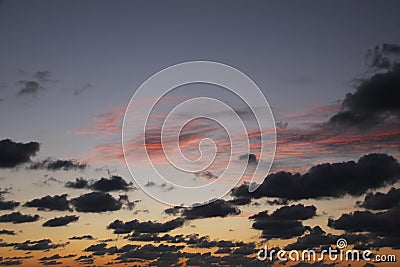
column 17, row 217
column 328, row 180
column 206, row 174
column 279, row 201
column 13, row 154
column 114, row 183
column 47, row 203
column 57, row 257
column 85, row 259
column 11, row 262
column 8, row 204
column 79, row 183
column 82, row 237
column 43, row 244
column 96, row 202
column 7, row 232
column 56, row 165
column 61, row 221
column 285, row 222
column 120, row 227
column 98, row 249
column 218, row 208
column 381, row 201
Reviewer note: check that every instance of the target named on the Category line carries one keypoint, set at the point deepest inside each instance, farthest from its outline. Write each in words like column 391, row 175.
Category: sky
column 68, row 70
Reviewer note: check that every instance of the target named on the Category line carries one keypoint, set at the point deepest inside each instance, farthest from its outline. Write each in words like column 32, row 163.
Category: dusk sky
column 329, row 70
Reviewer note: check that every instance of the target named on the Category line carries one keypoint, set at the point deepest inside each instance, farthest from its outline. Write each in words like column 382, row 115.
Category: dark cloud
column 96, row 202
column 8, row 205
column 98, row 249
column 285, row 222
column 79, row 183
column 384, row 224
column 278, row 201
column 17, row 217
column 374, row 101
column 328, row 180
column 13, row 154
column 7, row 232
column 83, row 237
column 11, row 262
column 381, row 201
column 43, row 244
column 85, row 259
column 315, row 239
column 114, row 183
column 47, row 203
column 151, row 252
column 57, row 257
column 61, row 221
column 218, row 208
column 145, row 227
column 56, row 165
column 240, row 201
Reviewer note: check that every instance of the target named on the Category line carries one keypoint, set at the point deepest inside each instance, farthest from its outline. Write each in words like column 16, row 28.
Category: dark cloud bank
column 328, row 180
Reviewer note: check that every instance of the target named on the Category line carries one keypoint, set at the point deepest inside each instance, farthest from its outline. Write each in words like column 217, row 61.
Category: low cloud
column 114, row 183
column 374, row 101
column 13, row 154
column 381, row 201
column 57, row 165
column 285, row 222
column 82, row 237
column 218, row 208
column 7, row 232
column 328, row 180
column 43, row 244
column 61, row 221
column 382, row 223
column 96, row 202
column 47, row 203
column 145, row 227
column 17, row 217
